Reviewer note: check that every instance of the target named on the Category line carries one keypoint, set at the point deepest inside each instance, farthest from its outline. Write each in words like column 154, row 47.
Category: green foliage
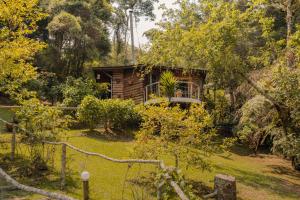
column 18, row 19
column 112, row 113
column 284, row 85
column 78, row 35
column 185, row 134
column 256, row 122
column 219, row 107
column 90, row 111
column 216, row 35
column 41, row 122
column 46, row 86
column 66, row 24
column 168, row 83
column 118, row 114
column 74, row 90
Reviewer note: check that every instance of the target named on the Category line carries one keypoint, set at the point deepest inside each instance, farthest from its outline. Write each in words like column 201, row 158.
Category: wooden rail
column 141, row 161
column 26, row 188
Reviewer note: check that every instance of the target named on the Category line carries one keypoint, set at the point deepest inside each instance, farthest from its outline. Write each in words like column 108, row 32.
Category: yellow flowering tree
column 18, row 21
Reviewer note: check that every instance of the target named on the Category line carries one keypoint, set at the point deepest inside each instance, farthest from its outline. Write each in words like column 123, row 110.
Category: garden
column 257, row 176
column 224, row 95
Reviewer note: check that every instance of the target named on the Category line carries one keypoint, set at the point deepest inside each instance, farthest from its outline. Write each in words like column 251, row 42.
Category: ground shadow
column 111, row 136
column 240, row 150
column 283, row 170
column 199, row 188
column 47, row 179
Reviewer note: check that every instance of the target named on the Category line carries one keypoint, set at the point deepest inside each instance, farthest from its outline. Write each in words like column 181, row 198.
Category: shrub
column 184, row 134
column 90, row 111
column 39, row 123
column 118, row 114
column 256, row 122
column 112, row 113
column 74, row 90
column 168, row 84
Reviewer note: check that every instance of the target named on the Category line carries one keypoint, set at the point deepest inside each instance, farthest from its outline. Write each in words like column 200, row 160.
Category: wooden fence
column 64, row 145
column 26, row 188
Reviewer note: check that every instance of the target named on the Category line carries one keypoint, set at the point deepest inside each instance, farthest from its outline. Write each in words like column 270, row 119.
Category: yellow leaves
column 20, row 16
column 18, row 19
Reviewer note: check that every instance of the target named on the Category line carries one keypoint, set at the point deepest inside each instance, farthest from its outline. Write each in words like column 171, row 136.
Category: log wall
column 118, row 84
column 133, row 86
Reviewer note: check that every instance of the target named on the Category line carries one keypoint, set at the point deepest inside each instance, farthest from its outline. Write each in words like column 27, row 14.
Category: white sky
column 145, row 25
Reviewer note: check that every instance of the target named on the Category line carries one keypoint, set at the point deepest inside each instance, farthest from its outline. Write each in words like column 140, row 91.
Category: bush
column 256, row 122
column 186, row 135
column 118, row 114
column 112, row 113
column 74, row 90
column 168, row 84
column 219, row 107
column 89, row 111
column 40, row 123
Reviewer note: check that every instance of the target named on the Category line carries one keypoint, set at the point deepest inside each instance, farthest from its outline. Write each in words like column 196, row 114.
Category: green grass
column 261, row 177
column 5, row 114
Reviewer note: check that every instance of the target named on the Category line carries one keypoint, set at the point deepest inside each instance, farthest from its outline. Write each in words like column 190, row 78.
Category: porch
column 184, row 92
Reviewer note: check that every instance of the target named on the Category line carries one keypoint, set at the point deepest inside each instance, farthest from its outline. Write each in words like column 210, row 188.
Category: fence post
column 85, row 183
column 159, row 190
column 13, row 143
column 63, row 166
column 225, row 187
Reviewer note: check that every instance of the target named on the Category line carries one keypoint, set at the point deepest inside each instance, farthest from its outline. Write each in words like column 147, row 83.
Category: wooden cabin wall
column 133, row 86
column 118, row 84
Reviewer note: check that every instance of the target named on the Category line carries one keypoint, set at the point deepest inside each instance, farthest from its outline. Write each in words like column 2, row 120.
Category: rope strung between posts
column 32, row 189
column 160, row 163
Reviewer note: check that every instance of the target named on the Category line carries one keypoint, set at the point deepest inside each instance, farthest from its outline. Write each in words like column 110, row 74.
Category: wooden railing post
column 225, row 187
column 13, row 143
column 63, row 166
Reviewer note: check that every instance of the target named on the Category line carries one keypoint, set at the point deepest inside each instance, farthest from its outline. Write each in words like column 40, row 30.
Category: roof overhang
column 141, row 67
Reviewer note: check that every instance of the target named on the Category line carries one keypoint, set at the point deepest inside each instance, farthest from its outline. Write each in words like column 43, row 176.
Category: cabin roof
column 112, row 67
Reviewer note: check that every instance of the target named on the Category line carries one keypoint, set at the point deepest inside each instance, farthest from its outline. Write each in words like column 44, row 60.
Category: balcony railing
column 184, row 92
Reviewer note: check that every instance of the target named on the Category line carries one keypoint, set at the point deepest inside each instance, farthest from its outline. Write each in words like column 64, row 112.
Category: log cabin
column 143, row 86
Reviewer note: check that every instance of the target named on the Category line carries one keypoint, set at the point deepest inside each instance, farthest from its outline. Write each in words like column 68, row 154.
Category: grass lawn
column 5, row 114
column 264, row 177
column 260, row 177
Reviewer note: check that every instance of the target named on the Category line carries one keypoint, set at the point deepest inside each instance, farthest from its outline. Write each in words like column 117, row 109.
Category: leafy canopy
column 18, row 20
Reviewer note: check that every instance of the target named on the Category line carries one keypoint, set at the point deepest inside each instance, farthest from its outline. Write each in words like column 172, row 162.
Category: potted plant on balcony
column 168, row 83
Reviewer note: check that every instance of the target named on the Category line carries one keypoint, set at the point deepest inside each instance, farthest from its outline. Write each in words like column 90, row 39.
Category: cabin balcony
column 185, row 92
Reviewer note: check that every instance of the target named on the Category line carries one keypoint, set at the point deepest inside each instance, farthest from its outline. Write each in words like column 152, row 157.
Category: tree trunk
column 232, row 99
column 289, row 15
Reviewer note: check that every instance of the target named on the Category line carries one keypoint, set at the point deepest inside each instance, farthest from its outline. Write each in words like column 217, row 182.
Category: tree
column 18, row 21
column 78, row 36
column 120, row 23
column 216, row 35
